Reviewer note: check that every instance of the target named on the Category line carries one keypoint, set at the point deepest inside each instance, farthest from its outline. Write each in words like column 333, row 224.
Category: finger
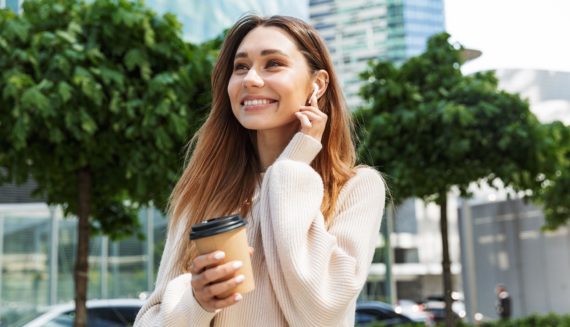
column 305, row 122
column 313, row 117
column 232, row 299
column 313, row 109
column 216, row 289
column 202, row 261
column 221, row 272
column 314, row 100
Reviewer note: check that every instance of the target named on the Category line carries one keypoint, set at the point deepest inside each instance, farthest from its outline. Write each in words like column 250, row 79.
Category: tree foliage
column 97, row 101
column 107, row 85
column 431, row 128
column 555, row 195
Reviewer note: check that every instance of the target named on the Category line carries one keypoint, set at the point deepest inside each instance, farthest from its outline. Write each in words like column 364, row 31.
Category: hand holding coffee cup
column 221, row 272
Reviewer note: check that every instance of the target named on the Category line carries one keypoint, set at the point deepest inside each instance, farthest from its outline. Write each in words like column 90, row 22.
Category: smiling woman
column 277, row 149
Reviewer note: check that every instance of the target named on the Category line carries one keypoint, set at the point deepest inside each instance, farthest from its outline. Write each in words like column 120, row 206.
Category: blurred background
column 495, row 236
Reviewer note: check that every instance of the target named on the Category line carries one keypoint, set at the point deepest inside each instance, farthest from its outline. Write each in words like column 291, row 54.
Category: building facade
column 204, row 20
column 11, row 4
column 546, row 91
column 357, row 31
column 415, row 240
column 502, row 243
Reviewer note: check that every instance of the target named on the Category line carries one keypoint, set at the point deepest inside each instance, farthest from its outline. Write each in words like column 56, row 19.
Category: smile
column 257, row 102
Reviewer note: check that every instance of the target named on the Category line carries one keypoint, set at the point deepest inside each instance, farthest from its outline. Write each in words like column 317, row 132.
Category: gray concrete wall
column 502, row 243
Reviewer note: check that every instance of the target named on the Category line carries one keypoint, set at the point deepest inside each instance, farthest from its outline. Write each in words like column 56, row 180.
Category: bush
column 549, row 320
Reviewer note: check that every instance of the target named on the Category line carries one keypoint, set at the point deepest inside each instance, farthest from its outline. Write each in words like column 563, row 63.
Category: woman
column 278, row 150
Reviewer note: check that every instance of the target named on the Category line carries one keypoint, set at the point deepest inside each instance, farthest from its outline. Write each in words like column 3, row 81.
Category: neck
column 270, row 143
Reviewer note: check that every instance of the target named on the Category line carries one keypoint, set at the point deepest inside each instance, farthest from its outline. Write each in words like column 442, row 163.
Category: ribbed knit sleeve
column 301, row 148
column 317, row 273
column 172, row 303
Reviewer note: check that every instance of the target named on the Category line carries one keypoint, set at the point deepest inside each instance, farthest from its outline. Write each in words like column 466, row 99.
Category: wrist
column 302, row 147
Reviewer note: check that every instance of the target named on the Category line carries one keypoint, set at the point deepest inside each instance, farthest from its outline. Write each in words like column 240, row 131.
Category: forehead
column 268, row 37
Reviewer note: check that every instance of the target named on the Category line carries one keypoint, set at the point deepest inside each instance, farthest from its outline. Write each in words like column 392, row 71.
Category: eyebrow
column 263, row 53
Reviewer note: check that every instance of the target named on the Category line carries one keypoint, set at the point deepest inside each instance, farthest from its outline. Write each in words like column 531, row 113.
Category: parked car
column 371, row 312
column 436, row 306
column 101, row 313
column 414, row 311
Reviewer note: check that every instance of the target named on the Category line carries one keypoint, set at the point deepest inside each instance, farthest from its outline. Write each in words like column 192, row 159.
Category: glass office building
column 410, row 24
column 204, row 20
column 357, row 31
column 11, row 4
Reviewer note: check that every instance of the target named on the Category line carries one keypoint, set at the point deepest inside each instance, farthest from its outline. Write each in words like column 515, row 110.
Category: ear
column 322, row 81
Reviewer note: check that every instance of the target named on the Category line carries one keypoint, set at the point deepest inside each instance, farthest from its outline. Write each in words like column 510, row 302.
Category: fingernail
column 238, row 297
column 240, row 278
column 219, row 255
column 237, row 264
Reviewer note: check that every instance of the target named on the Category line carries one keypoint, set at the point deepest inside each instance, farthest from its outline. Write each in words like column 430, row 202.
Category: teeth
column 256, row 102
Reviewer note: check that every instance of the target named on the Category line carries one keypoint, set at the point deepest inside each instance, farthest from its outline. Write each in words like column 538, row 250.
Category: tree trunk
column 81, row 263
column 446, row 262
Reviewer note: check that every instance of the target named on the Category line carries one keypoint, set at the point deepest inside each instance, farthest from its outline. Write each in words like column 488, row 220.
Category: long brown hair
column 223, row 168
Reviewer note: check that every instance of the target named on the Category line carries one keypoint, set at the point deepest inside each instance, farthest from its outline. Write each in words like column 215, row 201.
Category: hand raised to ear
column 313, row 121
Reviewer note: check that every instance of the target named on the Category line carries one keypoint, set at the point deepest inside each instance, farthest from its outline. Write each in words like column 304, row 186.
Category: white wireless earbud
column 315, row 91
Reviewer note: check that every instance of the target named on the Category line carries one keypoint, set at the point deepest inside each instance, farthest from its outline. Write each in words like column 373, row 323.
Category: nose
column 252, row 79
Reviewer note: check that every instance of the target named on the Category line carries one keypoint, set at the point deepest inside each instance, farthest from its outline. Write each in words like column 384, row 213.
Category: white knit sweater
column 306, row 274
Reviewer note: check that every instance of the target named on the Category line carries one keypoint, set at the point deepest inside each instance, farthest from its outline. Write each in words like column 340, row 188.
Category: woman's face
column 271, row 80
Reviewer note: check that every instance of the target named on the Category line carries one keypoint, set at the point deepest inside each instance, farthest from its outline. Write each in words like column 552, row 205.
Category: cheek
column 290, row 91
column 233, row 94
column 233, row 90
column 232, row 83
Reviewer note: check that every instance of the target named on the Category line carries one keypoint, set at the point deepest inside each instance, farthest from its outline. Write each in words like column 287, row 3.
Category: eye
column 240, row 66
column 273, row 63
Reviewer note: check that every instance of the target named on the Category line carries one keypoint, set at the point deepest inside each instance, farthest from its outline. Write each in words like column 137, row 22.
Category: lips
column 252, row 100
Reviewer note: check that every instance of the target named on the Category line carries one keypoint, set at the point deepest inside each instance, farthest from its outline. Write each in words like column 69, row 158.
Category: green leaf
column 134, row 58
column 115, row 105
column 4, row 44
column 17, row 28
column 55, row 135
column 112, row 77
column 34, row 99
column 149, row 39
column 87, row 123
column 65, row 91
column 66, row 36
column 163, row 141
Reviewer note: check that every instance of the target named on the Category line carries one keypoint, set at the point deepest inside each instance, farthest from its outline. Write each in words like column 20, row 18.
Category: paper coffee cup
column 226, row 234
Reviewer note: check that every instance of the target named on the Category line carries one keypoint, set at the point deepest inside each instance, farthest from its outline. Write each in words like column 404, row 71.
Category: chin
column 254, row 125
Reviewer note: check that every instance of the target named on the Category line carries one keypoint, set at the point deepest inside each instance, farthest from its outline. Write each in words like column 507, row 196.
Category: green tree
column 429, row 128
column 555, row 195
column 97, row 101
